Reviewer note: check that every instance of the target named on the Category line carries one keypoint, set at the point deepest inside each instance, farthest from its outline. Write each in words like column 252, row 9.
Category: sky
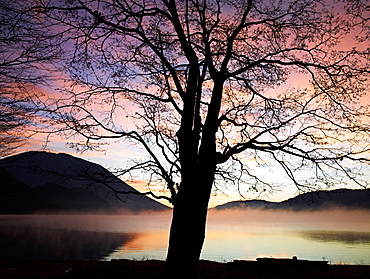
column 118, row 154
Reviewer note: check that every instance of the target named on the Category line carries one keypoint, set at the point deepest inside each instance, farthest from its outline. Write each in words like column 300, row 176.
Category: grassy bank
column 22, row 269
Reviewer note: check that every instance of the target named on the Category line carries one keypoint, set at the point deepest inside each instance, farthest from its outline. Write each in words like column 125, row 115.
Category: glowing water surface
column 337, row 236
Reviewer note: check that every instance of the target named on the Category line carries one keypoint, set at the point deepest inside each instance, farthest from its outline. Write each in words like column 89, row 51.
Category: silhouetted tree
column 214, row 86
column 26, row 55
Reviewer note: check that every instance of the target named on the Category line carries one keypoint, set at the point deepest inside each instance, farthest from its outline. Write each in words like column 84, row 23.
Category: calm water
column 337, row 236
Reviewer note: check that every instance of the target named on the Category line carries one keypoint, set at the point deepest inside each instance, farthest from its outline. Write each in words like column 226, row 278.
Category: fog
column 339, row 219
column 337, row 235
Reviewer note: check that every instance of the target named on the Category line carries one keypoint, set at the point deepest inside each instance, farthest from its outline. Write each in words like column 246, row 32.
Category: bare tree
column 26, row 55
column 210, row 87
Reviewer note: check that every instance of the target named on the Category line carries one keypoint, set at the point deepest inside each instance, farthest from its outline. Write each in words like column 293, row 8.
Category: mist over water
column 248, row 219
column 339, row 236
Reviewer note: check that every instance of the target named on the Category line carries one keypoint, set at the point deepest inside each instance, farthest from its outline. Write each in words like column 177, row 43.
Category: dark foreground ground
column 16, row 269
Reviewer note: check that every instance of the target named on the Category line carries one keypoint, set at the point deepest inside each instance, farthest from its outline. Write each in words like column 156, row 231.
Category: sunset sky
column 117, row 154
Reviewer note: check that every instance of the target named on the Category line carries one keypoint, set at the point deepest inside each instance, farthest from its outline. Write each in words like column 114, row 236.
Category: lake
column 336, row 236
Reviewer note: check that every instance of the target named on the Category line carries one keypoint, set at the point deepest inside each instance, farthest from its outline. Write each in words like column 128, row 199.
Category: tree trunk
column 186, row 238
column 189, row 225
column 190, row 207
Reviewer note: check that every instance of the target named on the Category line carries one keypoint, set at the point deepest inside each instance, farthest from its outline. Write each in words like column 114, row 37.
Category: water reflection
column 227, row 246
column 349, row 238
column 26, row 242
column 146, row 245
column 230, row 235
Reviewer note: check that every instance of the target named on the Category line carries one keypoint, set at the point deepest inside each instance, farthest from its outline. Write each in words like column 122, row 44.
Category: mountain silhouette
column 17, row 198
column 317, row 200
column 58, row 180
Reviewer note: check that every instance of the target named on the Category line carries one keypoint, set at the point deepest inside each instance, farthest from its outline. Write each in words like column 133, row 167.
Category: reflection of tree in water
column 345, row 237
column 25, row 242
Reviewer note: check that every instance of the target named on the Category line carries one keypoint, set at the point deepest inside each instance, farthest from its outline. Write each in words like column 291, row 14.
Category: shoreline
column 152, row 269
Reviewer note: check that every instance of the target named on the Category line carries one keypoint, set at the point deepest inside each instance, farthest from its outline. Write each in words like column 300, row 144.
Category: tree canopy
column 209, row 88
column 266, row 80
column 27, row 52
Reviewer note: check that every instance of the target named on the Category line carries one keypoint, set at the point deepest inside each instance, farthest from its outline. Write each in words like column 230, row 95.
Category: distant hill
column 256, row 204
column 72, row 198
column 60, row 181
column 340, row 198
column 18, row 198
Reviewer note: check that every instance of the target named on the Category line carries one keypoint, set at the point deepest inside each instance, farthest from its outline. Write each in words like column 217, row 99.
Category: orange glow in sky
column 117, row 154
